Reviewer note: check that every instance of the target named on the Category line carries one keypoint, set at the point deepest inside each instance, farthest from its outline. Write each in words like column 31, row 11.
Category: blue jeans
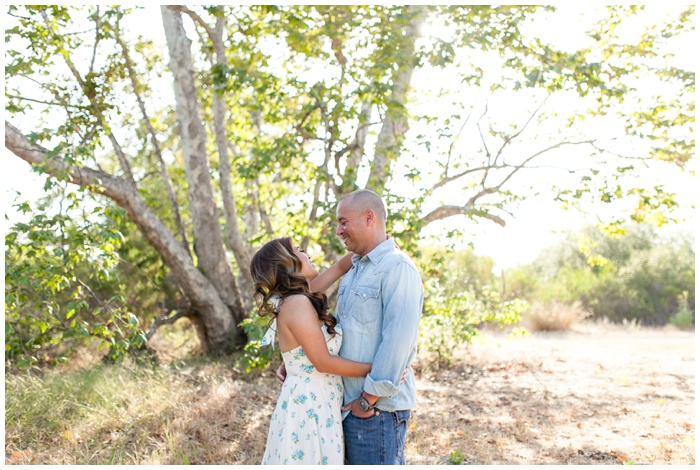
column 376, row 440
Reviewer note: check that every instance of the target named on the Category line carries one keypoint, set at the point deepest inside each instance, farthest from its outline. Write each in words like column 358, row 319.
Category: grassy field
column 595, row 395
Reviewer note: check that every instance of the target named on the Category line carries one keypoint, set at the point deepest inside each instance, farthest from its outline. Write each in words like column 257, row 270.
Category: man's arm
column 402, row 297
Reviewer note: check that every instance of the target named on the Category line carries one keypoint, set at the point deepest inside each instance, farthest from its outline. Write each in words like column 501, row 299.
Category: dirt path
column 596, row 395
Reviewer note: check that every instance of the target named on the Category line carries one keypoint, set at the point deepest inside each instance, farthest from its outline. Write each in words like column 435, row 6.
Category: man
column 380, row 301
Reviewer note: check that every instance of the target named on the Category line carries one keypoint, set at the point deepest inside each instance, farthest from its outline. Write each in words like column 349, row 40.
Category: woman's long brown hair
column 276, row 270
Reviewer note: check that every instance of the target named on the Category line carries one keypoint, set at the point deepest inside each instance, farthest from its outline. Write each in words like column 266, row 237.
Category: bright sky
column 538, row 221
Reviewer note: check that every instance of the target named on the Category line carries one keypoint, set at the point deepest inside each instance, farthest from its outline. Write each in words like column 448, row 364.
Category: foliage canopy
column 258, row 117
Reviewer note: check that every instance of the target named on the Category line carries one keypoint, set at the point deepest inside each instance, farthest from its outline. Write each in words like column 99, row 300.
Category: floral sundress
column 306, row 427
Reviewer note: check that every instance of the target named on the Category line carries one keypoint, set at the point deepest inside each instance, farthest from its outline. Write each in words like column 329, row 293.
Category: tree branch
column 454, row 141
column 449, row 179
column 197, row 19
column 50, row 103
column 185, row 312
column 446, row 211
column 154, row 140
column 509, row 139
column 537, row 154
column 95, row 106
column 97, row 38
column 196, row 287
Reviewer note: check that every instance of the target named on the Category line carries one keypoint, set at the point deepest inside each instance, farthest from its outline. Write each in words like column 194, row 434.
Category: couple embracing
column 348, row 386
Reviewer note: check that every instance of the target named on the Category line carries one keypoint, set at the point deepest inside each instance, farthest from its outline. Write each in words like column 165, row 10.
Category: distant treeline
column 638, row 276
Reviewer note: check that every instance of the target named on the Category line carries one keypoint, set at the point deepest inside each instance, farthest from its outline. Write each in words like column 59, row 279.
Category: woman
column 306, row 426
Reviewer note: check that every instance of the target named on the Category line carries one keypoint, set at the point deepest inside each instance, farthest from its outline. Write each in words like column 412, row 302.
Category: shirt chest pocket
column 367, row 307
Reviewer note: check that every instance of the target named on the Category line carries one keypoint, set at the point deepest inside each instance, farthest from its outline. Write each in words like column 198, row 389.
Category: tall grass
column 126, row 415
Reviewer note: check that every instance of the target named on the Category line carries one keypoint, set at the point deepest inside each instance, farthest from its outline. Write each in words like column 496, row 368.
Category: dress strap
column 269, row 337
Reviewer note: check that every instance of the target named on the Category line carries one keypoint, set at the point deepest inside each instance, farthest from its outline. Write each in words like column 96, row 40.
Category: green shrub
column 684, row 318
column 460, row 296
column 456, row 457
column 61, row 288
column 256, row 356
column 450, row 322
column 633, row 277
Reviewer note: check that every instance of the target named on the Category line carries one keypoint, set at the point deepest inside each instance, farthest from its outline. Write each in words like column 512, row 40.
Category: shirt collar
column 377, row 254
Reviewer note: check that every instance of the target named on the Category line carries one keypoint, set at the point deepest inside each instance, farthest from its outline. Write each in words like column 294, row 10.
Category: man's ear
column 369, row 217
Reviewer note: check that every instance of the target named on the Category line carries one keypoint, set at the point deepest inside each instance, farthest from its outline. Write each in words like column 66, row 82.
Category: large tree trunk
column 234, row 240
column 209, row 242
column 213, row 312
column 395, row 123
column 233, row 232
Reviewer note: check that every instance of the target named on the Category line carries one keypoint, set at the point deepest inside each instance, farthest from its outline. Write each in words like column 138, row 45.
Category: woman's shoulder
column 294, row 301
column 297, row 309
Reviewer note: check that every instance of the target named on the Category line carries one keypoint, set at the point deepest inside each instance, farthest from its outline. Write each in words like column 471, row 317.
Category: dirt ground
column 599, row 394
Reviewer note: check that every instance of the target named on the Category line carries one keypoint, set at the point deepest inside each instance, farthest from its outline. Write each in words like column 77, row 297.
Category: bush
column 449, row 323
column 633, row 277
column 61, row 288
column 684, row 318
column 254, row 355
column 553, row 316
column 460, row 295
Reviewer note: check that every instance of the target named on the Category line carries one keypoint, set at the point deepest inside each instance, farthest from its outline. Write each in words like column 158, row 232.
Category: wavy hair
column 276, row 271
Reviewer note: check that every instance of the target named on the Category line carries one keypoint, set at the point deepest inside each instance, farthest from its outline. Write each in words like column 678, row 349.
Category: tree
column 639, row 276
column 290, row 98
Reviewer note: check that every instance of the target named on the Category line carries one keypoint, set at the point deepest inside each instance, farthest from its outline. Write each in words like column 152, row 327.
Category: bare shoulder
column 295, row 304
column 297, row 310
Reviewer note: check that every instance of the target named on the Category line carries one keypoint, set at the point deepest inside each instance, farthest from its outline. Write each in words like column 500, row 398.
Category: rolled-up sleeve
column 402, row 298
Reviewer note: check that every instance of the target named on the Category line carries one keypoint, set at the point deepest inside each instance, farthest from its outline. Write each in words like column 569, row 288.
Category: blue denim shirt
column 380, row 301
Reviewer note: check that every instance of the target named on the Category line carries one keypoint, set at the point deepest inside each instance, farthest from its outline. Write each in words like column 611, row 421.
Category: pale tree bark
column 234, row 238
column 354, row 159
column 209, row 243
column 395, row 122
column 200, row 292
column 233, row 232
column 154, row 141
column 252, row 214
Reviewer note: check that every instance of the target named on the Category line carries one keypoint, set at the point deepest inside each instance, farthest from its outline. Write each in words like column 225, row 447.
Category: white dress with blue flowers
column 306, row 426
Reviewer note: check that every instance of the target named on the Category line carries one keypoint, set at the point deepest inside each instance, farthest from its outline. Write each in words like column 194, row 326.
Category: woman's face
column 307, row 268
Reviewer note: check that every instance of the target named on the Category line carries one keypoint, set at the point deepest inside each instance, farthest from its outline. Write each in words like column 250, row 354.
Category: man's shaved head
column 364, row 199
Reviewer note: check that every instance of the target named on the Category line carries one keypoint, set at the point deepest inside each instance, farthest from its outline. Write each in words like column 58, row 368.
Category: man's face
column 351, row 228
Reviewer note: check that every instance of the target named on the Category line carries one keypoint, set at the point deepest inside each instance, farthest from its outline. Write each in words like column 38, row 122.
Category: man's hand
column 281, row 373
column 354, row 407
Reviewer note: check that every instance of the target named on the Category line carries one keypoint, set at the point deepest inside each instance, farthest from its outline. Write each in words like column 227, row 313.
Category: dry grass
column 185, row 413
column 599, row 394
column 184, row 410
column 553, row 316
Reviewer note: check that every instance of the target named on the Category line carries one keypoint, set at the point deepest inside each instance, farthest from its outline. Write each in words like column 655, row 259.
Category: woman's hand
column 281, row 374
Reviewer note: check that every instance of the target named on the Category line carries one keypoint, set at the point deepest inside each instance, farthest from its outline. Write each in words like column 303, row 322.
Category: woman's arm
column 298, row 315
column 327, row 278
